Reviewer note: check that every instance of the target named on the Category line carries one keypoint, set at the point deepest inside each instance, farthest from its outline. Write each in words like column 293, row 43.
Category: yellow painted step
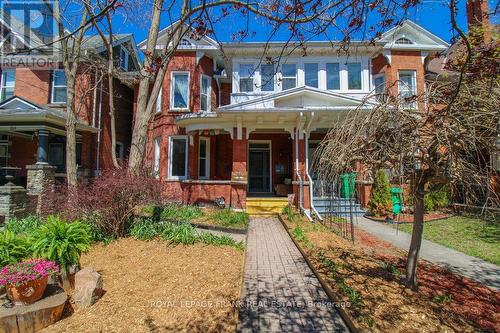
column 266, row 206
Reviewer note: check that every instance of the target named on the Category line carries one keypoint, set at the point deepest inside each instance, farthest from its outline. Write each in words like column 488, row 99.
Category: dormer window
column 403, row 41
column 246, row 78
column 124, row 55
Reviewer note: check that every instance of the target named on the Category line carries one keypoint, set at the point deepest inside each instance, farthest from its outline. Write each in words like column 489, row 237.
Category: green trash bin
column 397, row 200
column 348, row 181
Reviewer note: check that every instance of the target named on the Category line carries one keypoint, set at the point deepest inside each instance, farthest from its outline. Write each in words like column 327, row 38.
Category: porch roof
column 283, row 110
column 18, row 114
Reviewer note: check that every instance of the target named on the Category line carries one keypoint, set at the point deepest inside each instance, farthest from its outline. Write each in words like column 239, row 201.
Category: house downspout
column 97, row 165
column 219, row 93
column 297, row 173
column 309, row 178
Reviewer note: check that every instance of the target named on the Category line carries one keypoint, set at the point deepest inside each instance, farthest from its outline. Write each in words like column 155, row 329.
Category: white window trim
column 170, row 146
column 2, row 83
column 209, row 93
column 127, row 55
column 283, row 77
column 340, row 75
column 253, row 76
column 56, row 86
column 207, row 158
column 318, row 75
column 414, row 82
column 361, row 74
column 159, row 100
column 156, row 156
column 172, row 74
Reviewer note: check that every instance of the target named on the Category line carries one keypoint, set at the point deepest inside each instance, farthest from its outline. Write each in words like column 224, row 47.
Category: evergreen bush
column 380, row 202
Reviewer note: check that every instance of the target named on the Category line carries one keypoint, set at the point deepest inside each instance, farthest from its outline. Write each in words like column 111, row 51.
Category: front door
column 259, row 177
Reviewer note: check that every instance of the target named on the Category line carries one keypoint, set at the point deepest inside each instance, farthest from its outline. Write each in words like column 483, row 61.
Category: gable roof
column 300, row 98
column 421, row 38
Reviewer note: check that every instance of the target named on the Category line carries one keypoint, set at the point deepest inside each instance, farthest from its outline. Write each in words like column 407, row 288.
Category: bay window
column 311, row 74
column 205, row 93
column 332, row 76
column 246, row 77
column 204, row 159
column 178, row 157
column 289, row 76
column 7, row 84
column 58, row 86
column 267, row 77
column 354, row 76
column 180, row 91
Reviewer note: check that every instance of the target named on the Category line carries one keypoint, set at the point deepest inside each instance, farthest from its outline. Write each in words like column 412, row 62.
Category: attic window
column 185, row 42
column 403, row 41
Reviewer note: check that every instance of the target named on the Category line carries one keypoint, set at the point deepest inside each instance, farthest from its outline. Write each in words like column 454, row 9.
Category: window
column 178, row 157
column 354, row 76
column 185, row 42
column 407, row 85
column 58, row 86
column 403, row 40
column 332, row 76
column 204, row 159
column 267, row 77
column 180, row 91
column 119, row 150
column 124, row 55
column 4, row 153
column 56, row 156
column 7, row 84
column 246, row 78
column 205, row 93
column 379, row 86
column 158, row 101
column 289, row 76
column 311, row 75
column 156, row 157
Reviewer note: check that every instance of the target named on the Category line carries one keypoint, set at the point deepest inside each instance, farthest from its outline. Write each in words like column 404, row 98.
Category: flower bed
column 369, row 275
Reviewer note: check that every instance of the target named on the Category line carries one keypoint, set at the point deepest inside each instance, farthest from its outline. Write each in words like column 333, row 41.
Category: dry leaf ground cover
column 152, row 287
column 369, row 274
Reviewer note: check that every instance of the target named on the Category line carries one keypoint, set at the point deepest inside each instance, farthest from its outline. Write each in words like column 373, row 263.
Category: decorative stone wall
column 15, row 202
column 40, row 177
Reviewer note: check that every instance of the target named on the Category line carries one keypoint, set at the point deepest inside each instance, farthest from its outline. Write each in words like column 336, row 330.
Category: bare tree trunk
column 140, row 129
column 71, row 167
column 112, row 114
column 417, row 232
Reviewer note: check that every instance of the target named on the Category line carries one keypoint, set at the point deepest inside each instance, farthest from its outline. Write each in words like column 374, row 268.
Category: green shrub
column 146, row 228
column 182, row 233
column 13, row 248
column 437, row 198
column 60, row 241
column 228, row 217
column 289, row 213
column 208, row 238
column 299, row 234
column 23, row 226
column 380, row 200
column 179, row 213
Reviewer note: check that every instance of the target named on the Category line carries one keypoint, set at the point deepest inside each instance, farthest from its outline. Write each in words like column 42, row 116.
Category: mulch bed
column 408, row 218
column 387, row 306
column 152, row 287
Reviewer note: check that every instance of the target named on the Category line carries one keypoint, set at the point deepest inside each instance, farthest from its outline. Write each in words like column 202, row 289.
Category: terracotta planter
column 27, row 293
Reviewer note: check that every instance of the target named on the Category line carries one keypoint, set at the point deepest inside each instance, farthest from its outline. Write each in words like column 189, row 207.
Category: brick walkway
column 280, row 292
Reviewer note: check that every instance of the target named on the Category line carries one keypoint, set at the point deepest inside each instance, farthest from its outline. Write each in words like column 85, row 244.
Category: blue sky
column 431, row 14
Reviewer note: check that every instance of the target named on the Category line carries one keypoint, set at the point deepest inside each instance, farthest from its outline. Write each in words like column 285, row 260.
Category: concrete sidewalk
column 458, row 262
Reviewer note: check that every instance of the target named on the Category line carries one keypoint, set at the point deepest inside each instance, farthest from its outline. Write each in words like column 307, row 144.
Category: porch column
column 299, row 163
column 43, row 147
column 239, row 177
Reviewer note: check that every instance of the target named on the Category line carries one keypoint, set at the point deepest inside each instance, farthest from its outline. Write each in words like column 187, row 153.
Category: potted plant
column 25, row 282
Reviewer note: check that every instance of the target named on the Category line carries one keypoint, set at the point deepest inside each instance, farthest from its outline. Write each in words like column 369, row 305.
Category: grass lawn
column 471, row 236
column 152, row 287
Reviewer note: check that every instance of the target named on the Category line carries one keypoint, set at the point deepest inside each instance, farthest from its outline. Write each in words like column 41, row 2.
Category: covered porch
column 260, row 148
column 34, row 137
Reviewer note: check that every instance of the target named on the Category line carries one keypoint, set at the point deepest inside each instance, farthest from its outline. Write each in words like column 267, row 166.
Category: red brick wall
column 33, row 85
column 22, row 152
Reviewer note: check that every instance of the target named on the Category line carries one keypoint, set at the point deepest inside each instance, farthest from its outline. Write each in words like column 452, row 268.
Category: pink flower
column 25, row 271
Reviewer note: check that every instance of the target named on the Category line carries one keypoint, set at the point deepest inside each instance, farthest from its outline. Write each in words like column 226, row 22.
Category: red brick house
column 33, row 103
column 231, row 125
